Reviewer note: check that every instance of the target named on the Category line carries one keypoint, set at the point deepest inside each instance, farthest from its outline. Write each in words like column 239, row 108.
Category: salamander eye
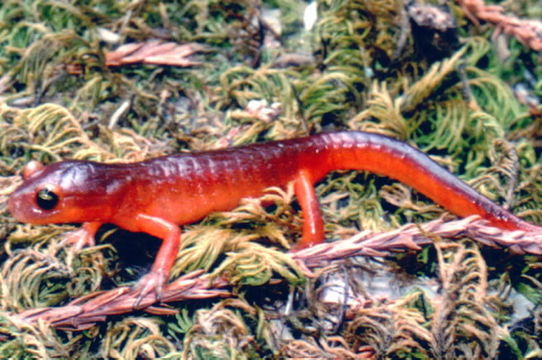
column 46, row 199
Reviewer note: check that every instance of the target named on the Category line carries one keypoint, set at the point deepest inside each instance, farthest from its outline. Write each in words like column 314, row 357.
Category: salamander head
column 68, row 191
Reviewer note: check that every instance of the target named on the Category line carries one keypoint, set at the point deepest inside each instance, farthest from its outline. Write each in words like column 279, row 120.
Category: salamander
column 158, row 195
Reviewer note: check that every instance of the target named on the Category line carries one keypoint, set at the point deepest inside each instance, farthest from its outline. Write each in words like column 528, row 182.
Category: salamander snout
column 70, row 191
column 14, row 207
column 39, row 199
column 19, row 207
column 33, row 205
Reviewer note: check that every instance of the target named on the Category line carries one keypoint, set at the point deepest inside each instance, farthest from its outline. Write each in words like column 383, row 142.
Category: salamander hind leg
column 158, row 276
column 313, row 226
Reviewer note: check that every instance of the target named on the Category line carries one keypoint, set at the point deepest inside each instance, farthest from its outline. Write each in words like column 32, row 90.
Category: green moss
column 360, row 68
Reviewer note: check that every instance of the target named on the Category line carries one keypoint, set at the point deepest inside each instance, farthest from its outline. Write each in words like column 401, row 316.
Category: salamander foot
column 151, row 284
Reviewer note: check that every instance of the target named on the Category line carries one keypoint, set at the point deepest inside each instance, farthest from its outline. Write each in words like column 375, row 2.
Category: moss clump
column 471, row 103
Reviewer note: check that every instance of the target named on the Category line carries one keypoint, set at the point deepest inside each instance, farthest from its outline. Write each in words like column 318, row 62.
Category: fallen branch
column 528, row 32
column 413, row 236
column 154, row 52
column 83, row 313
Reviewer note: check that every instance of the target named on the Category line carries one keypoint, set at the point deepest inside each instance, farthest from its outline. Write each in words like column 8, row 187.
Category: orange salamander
column 157, row 195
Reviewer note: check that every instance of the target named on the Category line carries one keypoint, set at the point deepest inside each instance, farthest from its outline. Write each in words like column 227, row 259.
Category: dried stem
column 85, row 312
column 528, row 32
column 413, row 236
column 153, row 52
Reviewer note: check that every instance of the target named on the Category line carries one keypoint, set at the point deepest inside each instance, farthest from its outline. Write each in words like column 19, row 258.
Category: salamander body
column 157, row 195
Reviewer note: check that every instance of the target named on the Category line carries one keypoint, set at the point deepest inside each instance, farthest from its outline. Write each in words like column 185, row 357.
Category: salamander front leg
column 84, row 236
column 313, row 226
column 159, row 275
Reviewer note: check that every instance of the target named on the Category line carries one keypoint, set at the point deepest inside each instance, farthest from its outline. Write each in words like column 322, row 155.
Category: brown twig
column 413, row 236
column 154, row 52
column 85, row 312
column 528, row 32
